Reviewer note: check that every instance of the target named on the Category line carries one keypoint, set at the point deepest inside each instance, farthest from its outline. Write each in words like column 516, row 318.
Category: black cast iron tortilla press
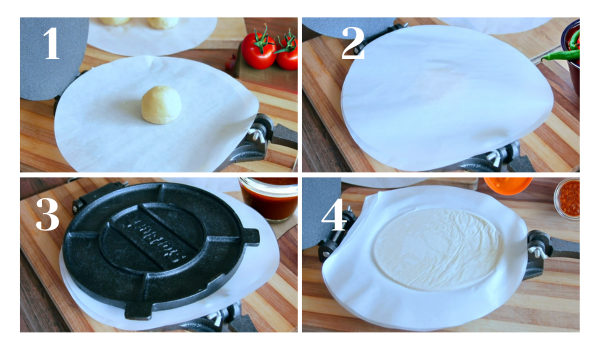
column 153, row 246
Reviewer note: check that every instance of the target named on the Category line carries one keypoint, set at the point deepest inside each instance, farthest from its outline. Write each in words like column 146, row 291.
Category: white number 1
column 51, row 44
column 53, row 218
column 337, row 221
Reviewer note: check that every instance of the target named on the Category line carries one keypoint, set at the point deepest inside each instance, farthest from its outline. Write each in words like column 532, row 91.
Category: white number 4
column 53, row 218
column 360, row 36
column 51, row 44
column 337, row 221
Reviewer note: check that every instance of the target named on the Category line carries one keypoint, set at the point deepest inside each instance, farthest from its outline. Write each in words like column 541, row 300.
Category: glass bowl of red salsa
column 566, row 198
column 573, row 65
column 275, row 198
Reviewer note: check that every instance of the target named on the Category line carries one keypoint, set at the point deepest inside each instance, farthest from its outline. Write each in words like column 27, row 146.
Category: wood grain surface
column 273, row 307
column 553, row 147
column 546, row 303
column 227, row 34
column 278, row 100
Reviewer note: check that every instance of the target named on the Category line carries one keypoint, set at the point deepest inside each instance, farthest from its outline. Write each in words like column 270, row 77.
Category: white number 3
column 53, row 218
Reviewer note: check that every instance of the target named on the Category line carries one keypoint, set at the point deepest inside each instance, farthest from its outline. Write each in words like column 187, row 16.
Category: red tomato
column 259, row 50
column 287, row 55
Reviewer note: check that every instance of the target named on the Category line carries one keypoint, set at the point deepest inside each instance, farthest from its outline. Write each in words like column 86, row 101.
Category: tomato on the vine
column 287, row 55
column 259, row 50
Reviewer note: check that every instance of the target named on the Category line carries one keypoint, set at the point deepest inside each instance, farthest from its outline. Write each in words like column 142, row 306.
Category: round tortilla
column 437, row 249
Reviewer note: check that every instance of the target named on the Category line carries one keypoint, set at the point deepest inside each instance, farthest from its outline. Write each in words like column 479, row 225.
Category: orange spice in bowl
column 566, row 198
column 508, row 186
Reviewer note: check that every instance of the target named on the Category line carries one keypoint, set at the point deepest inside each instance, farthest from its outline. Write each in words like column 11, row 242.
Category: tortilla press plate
column 161, row 246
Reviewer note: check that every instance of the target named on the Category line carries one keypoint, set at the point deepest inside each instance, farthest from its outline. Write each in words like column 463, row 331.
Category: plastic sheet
column 423, row 98
column 496, row 25
column 355, row 281
column 99, row 124
column 137, row 37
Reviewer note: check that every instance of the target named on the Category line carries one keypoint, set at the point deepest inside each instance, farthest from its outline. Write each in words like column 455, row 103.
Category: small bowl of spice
column 566, row 198
column 274, row 198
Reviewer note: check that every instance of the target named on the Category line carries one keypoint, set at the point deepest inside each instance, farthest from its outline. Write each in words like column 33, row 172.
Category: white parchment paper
column 355, row 281
column 137, row 37
column 430, row 96
column 496, row 25
column 258, row 265
column 382, row 182
column 99, row 125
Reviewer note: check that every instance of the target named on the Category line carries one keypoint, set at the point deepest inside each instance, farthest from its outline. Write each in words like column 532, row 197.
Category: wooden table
column 46, row 305
column 278, row 99
column 328, row 146
column 546, row 303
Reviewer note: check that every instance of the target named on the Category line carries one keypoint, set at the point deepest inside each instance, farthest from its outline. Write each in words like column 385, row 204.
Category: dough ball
column 163, row 22
column 114, row 21
column 437, row 249
column 161, row 105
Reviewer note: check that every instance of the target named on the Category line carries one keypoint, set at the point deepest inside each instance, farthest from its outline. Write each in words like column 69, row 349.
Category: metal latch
column 327, row 246
column 504, row 159
column 254, row 145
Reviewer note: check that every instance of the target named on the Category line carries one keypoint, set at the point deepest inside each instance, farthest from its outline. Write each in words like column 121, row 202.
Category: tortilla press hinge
column 215, row 322
column 57, row 98
column 255, row 143
column 365, row 42
column 504, row 159
column 87, row 199
column 327, row 246
column 541, row 246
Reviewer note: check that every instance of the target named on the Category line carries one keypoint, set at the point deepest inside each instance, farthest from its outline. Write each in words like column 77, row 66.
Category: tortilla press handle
column 251, row 237
column 232, row 316
column 285, row 137
column 365, row 42
column 541, row 246
column 87, row 199
column 327, row 247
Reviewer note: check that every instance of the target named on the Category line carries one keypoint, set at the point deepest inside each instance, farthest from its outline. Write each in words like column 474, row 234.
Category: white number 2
column 360, row 36
column 337, row 221
column 51, row 44
column 53, row 218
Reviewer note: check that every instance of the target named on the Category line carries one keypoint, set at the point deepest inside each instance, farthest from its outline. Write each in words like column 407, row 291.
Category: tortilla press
column 43, row 79
column 368, row 296
column 503, row 159
column 157, row 246
column 540, row 246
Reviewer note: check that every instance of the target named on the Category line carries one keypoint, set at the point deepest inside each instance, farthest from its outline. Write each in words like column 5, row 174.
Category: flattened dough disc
column 437, row 249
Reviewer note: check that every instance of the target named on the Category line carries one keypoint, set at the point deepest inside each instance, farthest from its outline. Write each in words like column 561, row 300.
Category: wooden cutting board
column 546, row 303
column 227, row 34
column 39, row 151
column 554, row 146
column 273, row 307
